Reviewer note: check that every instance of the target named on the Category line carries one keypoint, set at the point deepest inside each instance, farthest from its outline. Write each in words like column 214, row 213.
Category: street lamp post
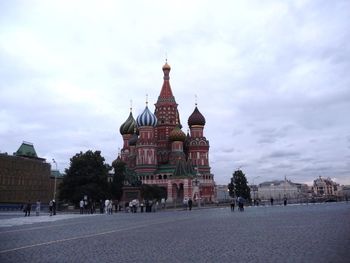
column 55, row 182
column 197, row 183
column 256, row 177
column 272, row 192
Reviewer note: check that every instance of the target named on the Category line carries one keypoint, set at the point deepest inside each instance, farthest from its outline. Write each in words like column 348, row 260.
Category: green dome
column 177, row 135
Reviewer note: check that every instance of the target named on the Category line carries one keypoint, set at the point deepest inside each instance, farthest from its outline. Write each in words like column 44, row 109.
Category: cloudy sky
column 272, row 79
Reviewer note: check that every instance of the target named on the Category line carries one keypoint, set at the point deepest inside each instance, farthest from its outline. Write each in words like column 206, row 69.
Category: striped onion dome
column 177, row 134
column 128, row 126
column 146, row 118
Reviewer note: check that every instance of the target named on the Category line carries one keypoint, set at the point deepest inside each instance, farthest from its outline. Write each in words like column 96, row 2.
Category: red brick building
column 25, row 176
column 160, row 153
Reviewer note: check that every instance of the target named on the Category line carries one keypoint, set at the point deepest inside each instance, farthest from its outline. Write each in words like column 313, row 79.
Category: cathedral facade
column 159, row 153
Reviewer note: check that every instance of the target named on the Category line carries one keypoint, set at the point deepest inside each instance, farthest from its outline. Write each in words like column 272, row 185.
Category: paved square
column 299, row 233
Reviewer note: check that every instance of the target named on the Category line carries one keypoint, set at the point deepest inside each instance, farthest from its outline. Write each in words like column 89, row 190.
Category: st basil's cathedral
column 158, row 152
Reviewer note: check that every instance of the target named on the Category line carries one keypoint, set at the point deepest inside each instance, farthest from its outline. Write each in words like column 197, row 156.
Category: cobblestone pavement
column 299, row 233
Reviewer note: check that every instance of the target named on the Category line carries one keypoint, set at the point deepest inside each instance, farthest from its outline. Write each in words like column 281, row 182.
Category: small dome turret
column 196, row 118
column 177, row 134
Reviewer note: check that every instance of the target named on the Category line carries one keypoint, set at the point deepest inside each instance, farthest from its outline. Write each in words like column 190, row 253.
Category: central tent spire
column 166, row 94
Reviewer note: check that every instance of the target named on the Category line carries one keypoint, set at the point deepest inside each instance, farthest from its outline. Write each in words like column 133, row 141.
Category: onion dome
column 166, row 66
column 196, row 118
column 146, row 118
column 177, row 134
column 133, row 140
column 128, row 126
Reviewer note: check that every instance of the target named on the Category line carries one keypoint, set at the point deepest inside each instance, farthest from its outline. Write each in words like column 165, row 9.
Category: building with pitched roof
column 159, row 153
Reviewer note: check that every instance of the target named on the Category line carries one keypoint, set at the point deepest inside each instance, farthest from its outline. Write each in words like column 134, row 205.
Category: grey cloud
column 274, row 93
column 283, row 154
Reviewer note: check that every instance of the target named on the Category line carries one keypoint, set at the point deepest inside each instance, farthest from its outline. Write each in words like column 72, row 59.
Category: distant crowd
column 27, row 208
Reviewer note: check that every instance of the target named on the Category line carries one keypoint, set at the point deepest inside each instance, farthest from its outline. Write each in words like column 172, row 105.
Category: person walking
column 81, row 206
column 54, row 207
column 190, row 204
column 185, row 203
column 285, row 201
column 232, row 205
column 37, row 208
column 51, row 207
column 28, row 208
column 92, row 207
column 271, row 201
column 110, row 207
column 106, row 206
column 240, row 203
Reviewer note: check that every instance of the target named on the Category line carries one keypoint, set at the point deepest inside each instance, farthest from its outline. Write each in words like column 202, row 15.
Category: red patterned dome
column 177, row 135
column 196, row 118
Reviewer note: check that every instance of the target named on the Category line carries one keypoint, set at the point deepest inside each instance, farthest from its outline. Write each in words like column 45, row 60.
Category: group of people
column 187, row 204
column 27, row 208
column 86, row 207
column 108, row 207
column 146, row 206
column 240, row 203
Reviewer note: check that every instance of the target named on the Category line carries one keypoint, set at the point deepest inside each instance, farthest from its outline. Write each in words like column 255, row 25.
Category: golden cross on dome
column 146, row 99
column 130, row 105
column 195, row 99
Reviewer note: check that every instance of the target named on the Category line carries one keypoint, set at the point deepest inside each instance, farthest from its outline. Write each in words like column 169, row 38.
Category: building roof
column 26, row 150
column 268, row 183
column 165, row 168
column 56, row 173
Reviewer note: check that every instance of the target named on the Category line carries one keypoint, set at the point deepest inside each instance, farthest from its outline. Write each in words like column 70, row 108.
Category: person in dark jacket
column 27, row 208
column 51, row 207
column 190, row 204
column 232, row 205
column 54, row 207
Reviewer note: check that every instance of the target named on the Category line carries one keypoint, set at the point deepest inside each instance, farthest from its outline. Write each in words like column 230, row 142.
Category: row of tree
column 88, row 174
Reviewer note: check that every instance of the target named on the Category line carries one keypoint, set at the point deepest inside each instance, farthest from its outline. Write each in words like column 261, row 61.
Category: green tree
column 116, row 187
column 87, row 175
column 238, row 186
column 153, row 192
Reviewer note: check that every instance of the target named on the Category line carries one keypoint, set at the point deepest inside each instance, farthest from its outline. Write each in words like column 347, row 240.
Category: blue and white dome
column 146, row 118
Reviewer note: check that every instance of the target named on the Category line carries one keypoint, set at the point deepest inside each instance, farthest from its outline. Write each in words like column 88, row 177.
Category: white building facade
column 280, row 189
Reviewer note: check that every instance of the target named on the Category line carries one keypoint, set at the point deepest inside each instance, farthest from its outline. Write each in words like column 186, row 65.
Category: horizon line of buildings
column 25, row 176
